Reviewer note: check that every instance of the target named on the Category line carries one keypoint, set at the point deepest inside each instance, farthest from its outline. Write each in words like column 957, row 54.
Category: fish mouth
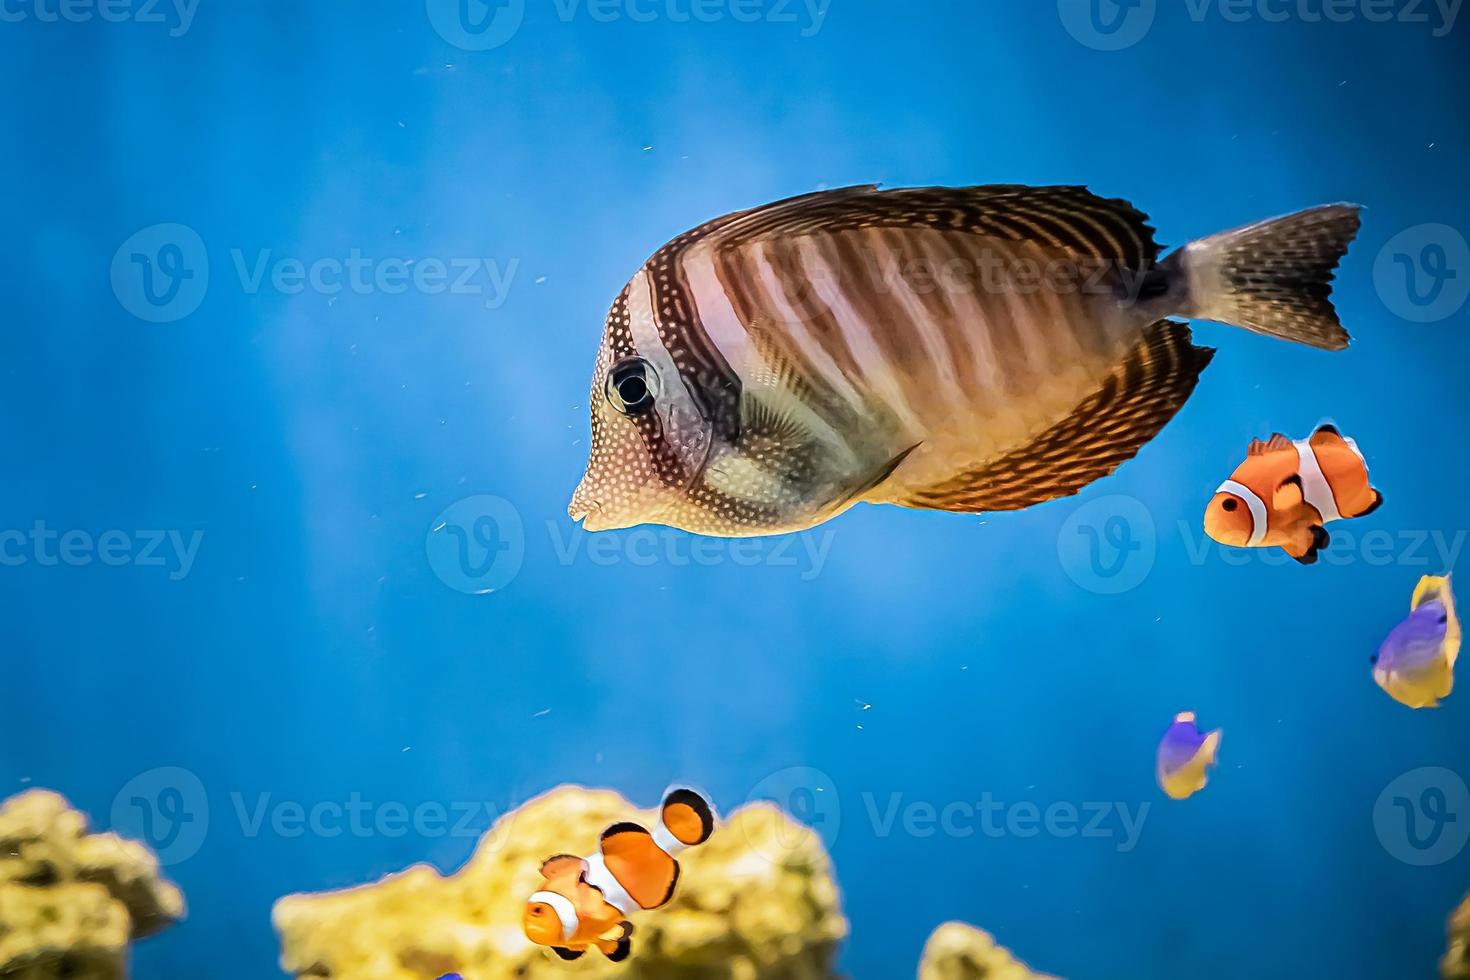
column 589, row 515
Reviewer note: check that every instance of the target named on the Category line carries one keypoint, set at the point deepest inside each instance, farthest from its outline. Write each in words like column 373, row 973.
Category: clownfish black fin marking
column 626, row 827
column 619, row 948
column 1289, row 494
column 1320, row 540
column 568, row 954
column 688, row 816
column 1328, row 428
column 1377, row 503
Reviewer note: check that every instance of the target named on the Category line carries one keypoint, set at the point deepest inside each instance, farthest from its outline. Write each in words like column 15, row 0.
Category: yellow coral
column 71, row 902
column 756, row 901
column 960, row 952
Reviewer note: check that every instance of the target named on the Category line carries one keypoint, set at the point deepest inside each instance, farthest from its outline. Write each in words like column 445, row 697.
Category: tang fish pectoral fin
column 1106, row 430
column 879, row 477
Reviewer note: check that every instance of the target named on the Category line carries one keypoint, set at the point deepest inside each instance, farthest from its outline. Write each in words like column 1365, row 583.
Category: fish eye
column 631, row 386
column 1229, row 503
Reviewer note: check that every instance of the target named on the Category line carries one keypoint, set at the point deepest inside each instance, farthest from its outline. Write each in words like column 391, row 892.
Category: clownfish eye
column 1229, row 504
column 631, row 386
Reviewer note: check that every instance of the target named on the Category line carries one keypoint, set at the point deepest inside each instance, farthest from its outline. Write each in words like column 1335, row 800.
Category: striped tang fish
column 963, row 349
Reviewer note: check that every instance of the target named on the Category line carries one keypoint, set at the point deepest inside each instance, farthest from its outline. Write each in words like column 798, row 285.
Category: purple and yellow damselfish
column 1186, row 755
column 963, row 349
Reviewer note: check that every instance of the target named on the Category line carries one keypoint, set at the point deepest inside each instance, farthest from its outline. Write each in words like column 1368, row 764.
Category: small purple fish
column 1185, row 757
column 1416, row 664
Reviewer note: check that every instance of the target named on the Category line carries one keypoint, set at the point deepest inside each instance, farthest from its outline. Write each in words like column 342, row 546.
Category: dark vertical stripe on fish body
column 665, row 460
column 711, row 382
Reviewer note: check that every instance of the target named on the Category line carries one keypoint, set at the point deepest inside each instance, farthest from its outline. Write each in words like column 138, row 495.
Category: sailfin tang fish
column 1185, row 757
column 1285, row 493
column 964, row 349
column 1416, row 664
column 584, row 903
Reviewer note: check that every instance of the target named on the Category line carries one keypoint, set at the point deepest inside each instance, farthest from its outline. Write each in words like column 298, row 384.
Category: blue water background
column 312, row 653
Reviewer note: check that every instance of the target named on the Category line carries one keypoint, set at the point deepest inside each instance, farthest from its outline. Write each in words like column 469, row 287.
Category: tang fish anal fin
column 1069, row 218
column 644, row 870
column 1102, row 433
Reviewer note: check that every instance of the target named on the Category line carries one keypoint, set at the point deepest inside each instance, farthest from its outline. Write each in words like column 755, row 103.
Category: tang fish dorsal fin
column 1101, row 434
column 1069, row 218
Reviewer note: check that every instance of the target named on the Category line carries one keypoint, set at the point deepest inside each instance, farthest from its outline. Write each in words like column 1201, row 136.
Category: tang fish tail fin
column 1273, row 277
column 688, row 819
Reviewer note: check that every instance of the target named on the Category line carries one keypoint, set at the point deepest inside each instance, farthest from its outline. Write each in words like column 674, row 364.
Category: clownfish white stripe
column 564, row 909
column 1257, row 508
column 599, row 876
column 667, row 842
column 1315, row 488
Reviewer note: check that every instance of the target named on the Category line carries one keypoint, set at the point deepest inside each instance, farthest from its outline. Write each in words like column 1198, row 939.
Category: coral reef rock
column 1456, row 962
column 757, row 900
column 71, row 902
column 960, row 952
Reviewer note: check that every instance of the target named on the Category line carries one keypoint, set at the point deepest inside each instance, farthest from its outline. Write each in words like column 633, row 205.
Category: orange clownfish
column 585, row 902
column 1285, row 493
